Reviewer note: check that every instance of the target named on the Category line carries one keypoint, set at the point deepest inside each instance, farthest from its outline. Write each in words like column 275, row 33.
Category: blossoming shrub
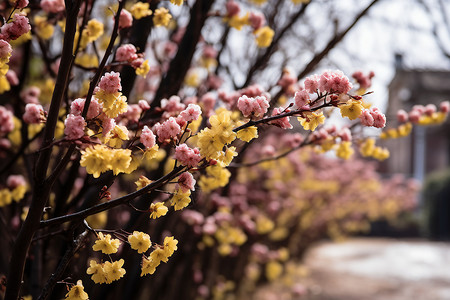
column 121, row 161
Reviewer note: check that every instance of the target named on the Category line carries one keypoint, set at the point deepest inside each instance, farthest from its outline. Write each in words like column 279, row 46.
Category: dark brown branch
column 76, row 245
column 113, row 203
column 333, row 42
column 263, row 59
column 180, row 64
column 41, row 187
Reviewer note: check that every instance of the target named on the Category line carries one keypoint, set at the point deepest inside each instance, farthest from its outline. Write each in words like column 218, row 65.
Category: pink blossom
column 363, row 80
column 170, row 49
column 74, row 127
column 214, row 82
column 11, row 76
column 379, row 119
column 133, row 113
column 53, row 6
column 192, row 217
column 126, row 52
column 281, row 122
column 268, row 150
column 191, row 113
column 186, row 182
column 419, row 108
column 167, row 130
column 402, row 116
column 173, row 104
column 232, row 8
column 366, row 118
column 345, row 134
column 107, row 124
column 143, row 104
column 5, row 49
column 14, row 181
column 430, row 109
column 31, row 94
column 292, row 140
column 334, row 82
column 187, row 156
column 287, row 79
column 209, row 101
column 444, row 107
column 125, row 19
column 253, row 91
column 147, row 138
column 110, row 82
column 181, row 121
column 209, row 52
column 312, row 84
column 21, row 3
column 257, row 20
column 6, row 121
column 137, row 62
column 301, row 98
column 4, row 143
column 77, row 106
column 13, row 30
column 414, row 116
column 253, row 107
column 34, row 114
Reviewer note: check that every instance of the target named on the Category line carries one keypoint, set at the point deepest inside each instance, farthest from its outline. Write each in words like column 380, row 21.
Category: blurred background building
column 425, row 154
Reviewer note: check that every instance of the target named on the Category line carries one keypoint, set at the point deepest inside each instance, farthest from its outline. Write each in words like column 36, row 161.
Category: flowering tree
column 107, row 136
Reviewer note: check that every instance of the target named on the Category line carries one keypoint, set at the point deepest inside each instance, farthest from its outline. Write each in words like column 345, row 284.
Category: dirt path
column 373, row 269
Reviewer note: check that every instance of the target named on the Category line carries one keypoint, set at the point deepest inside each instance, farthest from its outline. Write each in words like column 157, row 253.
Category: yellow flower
column 139, row 241
column 118, row 107
column 226, row 157
column 143, row 69
column 158, row 209
column 366, row 148
column 247, row 134
column 106, row 244
column 116, row 136
column 148, row 266
column 209, row 144
column 181, row 199
column 380, row 153
column 258, row 2
column 4, row 84
column 192, row 79
column 87, row 60
column 300, row 1
column 273, row 270
column 345, row 150
column 77, row 292
column 352, row 109
column 216, row 177
column 120, row 161
column 238, row 22
column 140, row 10
column 5, row 197
column 177, row 2
column 18, row 192
column 264, row 224
column 222, row 126
column 311, row 120
column 404, row 129
column 161, row 17
column 142, row 182
column 43, row 29
column 114, row 271
column 96, row 159
column 158, row 255
column 264, row 36
column 170, row 245
column 98, row 274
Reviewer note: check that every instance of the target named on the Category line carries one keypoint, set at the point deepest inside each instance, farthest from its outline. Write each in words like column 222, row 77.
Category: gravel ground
column 372, row 269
